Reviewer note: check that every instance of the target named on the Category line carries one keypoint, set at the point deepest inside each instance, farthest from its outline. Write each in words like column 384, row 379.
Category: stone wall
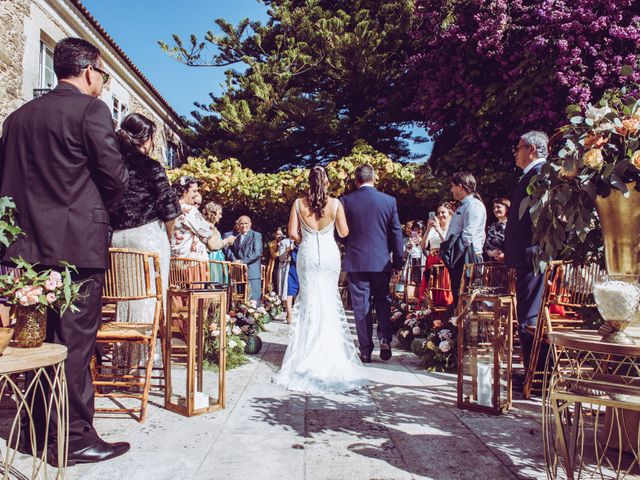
column 12, row 48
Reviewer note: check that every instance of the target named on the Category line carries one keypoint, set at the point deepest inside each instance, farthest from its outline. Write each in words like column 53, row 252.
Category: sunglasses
column 105, row 75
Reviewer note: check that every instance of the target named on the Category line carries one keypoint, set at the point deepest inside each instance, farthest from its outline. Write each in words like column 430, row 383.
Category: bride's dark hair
column 318, row 186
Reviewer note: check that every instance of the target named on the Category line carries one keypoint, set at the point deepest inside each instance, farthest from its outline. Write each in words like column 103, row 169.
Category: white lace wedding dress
column 321, row 356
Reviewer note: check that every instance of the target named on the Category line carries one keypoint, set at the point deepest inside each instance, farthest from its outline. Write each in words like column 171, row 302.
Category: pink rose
column 50, row 284
column 437, row 323
column 51, row 297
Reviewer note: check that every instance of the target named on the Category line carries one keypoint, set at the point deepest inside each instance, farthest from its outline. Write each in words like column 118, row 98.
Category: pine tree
column 305, row 87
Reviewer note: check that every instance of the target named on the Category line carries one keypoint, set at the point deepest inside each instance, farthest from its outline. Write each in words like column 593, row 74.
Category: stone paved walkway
column 405, row 426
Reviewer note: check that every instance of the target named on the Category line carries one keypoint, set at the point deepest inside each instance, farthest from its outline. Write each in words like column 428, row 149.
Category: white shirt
column 470, row 219
column 537, row 161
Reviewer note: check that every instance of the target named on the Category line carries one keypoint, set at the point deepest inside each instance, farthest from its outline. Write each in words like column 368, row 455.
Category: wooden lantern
column 194, row 386
column 485, row 345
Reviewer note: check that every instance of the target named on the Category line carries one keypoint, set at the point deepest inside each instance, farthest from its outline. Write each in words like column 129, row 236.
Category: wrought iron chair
column 568, row 290
column 133, row 275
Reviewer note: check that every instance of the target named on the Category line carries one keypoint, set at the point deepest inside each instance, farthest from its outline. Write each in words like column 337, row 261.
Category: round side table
column 590, row 407
column 46, row 367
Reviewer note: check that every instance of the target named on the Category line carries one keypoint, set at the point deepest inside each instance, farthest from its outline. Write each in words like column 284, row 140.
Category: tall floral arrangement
column 597, row 150
column 490, row 70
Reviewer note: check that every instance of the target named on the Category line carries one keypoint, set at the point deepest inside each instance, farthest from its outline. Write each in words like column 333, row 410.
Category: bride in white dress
column 321, row 356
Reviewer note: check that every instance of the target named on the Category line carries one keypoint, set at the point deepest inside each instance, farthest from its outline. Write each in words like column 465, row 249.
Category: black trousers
column 77, row 331
column 363, row 287
column 529, row 290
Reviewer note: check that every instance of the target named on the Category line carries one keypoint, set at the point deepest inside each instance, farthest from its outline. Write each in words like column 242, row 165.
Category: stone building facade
column 29, row 30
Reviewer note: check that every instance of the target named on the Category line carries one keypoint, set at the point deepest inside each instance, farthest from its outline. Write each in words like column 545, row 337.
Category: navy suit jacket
column 518, row 248
column 249, row 253
column 374, row 232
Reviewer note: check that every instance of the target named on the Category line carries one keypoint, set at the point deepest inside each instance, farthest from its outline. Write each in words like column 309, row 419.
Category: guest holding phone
column 435, row 234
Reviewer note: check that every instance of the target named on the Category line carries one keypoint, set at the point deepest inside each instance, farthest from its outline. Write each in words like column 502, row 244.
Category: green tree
column 305, row 87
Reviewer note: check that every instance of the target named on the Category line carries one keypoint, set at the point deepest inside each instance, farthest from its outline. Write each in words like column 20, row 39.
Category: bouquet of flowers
column 235, row 344
column 439, row 347
column 273, row 305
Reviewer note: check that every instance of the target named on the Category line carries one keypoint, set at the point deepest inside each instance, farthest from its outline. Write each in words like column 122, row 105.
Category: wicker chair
column 568, row 289
column 130, row 277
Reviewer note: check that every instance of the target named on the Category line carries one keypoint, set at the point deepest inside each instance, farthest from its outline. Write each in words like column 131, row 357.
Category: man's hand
column 230, row 240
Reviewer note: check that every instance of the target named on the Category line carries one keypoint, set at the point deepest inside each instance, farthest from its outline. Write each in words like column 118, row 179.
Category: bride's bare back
column 332, row 211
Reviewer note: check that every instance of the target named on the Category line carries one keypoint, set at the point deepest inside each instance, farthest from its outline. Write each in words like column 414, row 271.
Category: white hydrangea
column 233, row 344
column 445, row 346
column 236, row 330
column 445, row 334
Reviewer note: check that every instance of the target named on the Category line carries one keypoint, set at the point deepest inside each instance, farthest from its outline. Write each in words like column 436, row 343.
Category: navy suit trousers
column 363, row 287
column 529, row 289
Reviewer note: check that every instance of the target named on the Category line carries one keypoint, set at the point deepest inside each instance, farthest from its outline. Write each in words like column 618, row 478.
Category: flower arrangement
column 249, row 318
column 597, row 151
column 41, row 289
column 273, row 305
column 439, row 347
column 415, row 325
column 32, row 287
column 235, row 344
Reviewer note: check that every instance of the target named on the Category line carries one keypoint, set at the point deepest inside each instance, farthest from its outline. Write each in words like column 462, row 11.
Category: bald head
column 244, row 224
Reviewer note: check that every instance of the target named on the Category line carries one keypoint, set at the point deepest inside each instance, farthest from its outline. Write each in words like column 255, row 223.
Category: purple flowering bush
column 491, row 70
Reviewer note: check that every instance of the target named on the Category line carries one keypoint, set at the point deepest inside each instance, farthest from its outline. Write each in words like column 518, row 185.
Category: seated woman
column 213, row 213
column 494, row 243
column 144, row 218
column 434, row 235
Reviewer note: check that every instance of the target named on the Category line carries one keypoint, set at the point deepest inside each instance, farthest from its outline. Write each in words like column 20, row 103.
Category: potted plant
column 32, row 291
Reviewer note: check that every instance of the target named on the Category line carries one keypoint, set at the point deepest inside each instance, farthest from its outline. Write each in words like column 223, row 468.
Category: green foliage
column 320, row 75
column 9, row 231
column 267, row 197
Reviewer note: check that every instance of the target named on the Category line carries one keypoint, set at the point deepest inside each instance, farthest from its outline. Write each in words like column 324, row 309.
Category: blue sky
column 137, row 26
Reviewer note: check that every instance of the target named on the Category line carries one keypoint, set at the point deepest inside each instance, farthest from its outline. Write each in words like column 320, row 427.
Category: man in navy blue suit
column 373, row 250
column 247, row 249
column 530, row 155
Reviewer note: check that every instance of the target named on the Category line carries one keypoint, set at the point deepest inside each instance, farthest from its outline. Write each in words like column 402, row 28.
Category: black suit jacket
column 60, row 162
column 374, row 231
column 250, row 253
column 518, row 248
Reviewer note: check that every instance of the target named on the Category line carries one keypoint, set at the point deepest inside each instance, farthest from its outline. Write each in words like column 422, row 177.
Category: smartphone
column 414, row 235
column 432, row 215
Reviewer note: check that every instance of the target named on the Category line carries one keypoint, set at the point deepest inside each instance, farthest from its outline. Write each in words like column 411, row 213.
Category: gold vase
column 31, row 326
column 620, row 221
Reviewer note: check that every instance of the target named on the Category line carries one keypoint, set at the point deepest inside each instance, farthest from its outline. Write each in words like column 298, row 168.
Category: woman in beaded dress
column 144, row 218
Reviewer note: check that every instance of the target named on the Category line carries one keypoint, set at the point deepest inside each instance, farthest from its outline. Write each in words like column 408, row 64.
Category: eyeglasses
column 517, row 148
column 105, row 75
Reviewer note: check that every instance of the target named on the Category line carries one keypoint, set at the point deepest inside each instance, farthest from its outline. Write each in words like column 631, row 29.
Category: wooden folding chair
column 438, row 292
column 239, row 279
column 412, row 280
column 133, row 275
column 184, row 271
column 220, row 275
column 568, row 289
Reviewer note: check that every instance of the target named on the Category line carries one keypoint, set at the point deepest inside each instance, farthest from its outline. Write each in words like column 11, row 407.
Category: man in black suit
column 248, row 249
column 60, row 162
column 530, row 155
column 373, row 248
